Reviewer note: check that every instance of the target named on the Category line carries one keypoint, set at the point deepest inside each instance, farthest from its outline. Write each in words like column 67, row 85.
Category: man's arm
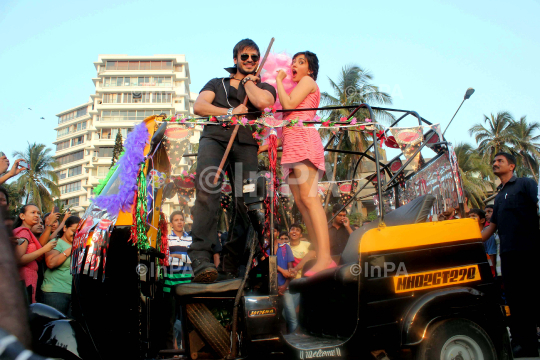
column 260, row 98
column 203, row 106
column 488, row 231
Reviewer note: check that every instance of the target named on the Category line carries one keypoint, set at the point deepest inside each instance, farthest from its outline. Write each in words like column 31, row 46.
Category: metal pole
column 453, row 117
column 272, row 212
column 378, row 169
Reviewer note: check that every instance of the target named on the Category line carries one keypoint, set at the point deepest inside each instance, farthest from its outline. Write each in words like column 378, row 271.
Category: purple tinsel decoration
column 128, row 165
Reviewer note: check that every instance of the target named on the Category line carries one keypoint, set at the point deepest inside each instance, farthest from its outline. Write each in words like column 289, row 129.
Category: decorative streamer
column 138, row 229
column 128, row 166
column 274, row 183
column 163, row 239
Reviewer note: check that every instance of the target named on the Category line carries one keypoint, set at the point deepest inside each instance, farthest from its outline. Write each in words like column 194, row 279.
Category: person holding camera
column 14, row 171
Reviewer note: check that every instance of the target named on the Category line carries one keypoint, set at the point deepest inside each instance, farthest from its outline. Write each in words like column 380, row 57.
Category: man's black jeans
column 242, row 160
column 520, row 279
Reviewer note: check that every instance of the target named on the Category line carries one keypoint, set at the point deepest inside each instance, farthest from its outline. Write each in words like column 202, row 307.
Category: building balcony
column 135, row 72
column 70, row 179
column 135, row 106
column 74, row 120
column 152, row 87
column 70, row 135
column 65, row 151
column 71, row 194
column 72, row 164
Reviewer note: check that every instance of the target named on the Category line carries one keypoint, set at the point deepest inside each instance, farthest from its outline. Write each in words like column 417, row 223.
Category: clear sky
column 425, row 53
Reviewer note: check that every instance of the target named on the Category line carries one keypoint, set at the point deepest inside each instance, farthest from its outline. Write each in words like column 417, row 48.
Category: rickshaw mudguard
column 56, row 336
column 434, row 305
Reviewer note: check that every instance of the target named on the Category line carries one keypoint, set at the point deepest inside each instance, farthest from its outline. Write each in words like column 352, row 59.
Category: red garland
column 164, row 244
column 274, row 183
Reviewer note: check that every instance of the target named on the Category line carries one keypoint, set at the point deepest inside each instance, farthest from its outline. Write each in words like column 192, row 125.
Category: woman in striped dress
column 303, row 152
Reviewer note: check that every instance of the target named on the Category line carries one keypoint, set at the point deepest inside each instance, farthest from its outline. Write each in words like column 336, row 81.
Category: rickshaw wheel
column 456, row 339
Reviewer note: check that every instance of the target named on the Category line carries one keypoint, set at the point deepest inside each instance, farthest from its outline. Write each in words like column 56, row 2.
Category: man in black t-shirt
column 516, row 219
column 225, row 96
column 339, row 231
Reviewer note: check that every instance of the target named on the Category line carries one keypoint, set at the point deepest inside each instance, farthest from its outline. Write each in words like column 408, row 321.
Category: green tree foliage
column 526, row 145
column 118, row 149
column 475, row 174
column 495, row 136
column 38, row 183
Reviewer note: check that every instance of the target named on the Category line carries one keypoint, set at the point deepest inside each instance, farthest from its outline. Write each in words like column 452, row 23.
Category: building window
column 139, row 65
column 122, row 65
column 66, row 159
column 123, row 132
column 61, row 174
column 63, row 145
column 70, row 202
column 77, row 141
column 102, row 171
column 105, row 151
column 74, row 171
column 63, row 132
column 131, row 115
column 80, row 126
column 71, row 187
column 145, row 65
column 82, row 112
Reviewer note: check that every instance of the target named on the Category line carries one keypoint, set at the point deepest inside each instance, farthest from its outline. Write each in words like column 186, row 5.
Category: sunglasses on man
column 244, row 57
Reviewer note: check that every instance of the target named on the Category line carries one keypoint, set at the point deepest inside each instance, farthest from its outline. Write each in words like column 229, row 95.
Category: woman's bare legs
column 303, row 182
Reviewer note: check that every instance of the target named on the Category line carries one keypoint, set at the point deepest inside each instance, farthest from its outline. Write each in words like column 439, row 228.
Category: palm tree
column 474, row 173
column 352, row 88
column 39, row 181
column 15, row 198
column 525, row 143
column 495, row 137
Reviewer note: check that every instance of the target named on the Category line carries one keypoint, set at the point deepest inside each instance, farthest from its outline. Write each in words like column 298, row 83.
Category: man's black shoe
column 203, row 271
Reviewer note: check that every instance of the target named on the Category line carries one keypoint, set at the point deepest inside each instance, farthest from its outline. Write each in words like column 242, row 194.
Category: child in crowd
column 285, row 260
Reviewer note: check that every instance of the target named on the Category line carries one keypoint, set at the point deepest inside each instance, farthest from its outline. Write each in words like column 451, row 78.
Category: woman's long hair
column 70, row 221
column 18, row 221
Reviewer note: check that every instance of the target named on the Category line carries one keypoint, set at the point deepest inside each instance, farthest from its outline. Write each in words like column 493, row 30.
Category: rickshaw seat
column 193, row 289
column 416, row 211
column 343, row 275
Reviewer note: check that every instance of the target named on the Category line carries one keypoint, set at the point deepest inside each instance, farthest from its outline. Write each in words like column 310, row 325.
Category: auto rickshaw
column 407, row 284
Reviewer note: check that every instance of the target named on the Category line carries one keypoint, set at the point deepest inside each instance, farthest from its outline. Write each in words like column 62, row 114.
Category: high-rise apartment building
column 127, row 90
